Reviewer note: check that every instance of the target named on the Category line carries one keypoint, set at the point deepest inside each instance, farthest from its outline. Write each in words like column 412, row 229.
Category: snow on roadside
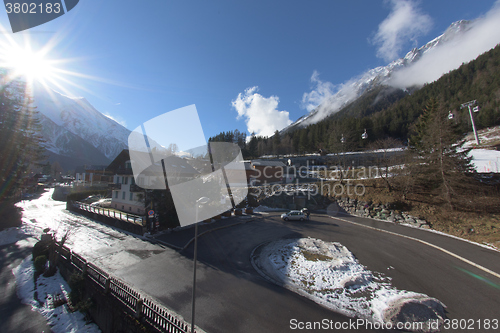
column 329, row 274
column 59, row 318
column 15, row 234
column 9, row 236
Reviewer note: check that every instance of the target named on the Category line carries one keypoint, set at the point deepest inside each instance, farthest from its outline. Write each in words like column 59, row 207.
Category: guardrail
column 157, row 317
column 132, row 218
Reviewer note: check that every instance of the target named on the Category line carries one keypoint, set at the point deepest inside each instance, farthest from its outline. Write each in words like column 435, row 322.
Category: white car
column 294, row 215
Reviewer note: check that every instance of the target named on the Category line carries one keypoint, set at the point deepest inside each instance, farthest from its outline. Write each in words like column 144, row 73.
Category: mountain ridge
column 373, row 78
column 78, row 117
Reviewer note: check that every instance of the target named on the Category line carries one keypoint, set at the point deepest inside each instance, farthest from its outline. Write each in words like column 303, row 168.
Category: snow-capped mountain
column 67, row 120
column 355, row 88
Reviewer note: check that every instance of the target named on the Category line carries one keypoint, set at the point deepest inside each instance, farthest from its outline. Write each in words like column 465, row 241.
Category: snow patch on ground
column 329, row 274
column 60, row 318
column 486, row 160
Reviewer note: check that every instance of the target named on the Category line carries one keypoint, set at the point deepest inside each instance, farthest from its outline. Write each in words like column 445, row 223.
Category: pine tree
column 440, row 165
column 252, row 147
column 22, row 146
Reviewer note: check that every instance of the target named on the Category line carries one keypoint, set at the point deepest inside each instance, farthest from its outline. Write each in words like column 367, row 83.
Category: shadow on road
column 16, row 317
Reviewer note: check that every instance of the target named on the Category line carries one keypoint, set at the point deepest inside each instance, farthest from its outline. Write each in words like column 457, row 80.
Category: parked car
column 91, row 199
column 105, row 203
column 293, row 215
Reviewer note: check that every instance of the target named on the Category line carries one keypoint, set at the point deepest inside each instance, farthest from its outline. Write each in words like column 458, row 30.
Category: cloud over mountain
column 481, row 35
column 405, row 23
column 261, row 113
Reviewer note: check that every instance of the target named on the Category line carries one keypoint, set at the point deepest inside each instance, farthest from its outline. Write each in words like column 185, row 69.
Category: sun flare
column 35, row 66
column 32, row 65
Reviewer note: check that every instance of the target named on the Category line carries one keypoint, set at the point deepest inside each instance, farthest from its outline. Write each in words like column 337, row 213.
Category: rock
column 410, row 220
column 391, row 219
column 420, row 222
column 417, row 309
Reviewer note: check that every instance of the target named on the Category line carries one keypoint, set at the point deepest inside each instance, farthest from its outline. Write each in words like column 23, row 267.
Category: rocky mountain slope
column 377, row 78
column 75, row 132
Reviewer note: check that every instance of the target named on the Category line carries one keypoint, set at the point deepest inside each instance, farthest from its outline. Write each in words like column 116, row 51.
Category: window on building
column 125, row 180
column 123, row 195
column 132, row 181
column 129, row 209
column 131, row 196
column 116, row 196
column 118, row 179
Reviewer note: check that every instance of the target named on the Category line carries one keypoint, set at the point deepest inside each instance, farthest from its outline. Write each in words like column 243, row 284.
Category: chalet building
column 94, row 175
column 129, row 195
column 125, row 195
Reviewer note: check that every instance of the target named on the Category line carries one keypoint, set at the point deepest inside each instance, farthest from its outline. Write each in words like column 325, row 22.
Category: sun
column 33, row 66
column 39, row 66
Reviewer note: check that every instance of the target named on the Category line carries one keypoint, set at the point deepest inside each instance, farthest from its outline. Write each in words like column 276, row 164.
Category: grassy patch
column 478, row 219
column 315, row 256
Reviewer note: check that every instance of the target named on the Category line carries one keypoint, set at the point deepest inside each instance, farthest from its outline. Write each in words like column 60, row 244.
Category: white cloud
column 327, row 98
column 483, row 35
column 261, row 113
column 321, row 92
column 405, row 22
column 119, row 120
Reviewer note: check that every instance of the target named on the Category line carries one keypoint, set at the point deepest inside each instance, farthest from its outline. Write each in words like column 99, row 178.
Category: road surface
column 233, row 297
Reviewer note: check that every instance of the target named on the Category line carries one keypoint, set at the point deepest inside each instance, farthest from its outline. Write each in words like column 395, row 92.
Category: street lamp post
column 468, row 105
column 200, row 201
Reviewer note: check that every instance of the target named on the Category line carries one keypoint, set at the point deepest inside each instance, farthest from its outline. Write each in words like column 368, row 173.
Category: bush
column 77, row 284
column 40, row 249
column 77, row 293
column 40, row 264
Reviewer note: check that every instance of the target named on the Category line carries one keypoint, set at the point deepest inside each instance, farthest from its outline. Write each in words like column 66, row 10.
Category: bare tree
column 386, row 157
column 54, row 249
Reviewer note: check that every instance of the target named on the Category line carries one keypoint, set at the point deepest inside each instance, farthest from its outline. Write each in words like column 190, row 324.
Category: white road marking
column 489, row 271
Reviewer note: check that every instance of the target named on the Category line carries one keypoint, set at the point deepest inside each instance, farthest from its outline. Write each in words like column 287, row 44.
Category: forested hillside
column 386, row 112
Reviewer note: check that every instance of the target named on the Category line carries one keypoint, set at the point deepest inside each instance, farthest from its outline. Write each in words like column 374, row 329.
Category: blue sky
column 246, row 65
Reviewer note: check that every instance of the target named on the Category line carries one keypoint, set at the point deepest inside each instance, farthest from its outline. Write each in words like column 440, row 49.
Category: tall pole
column 468, row 105
column 194, row 268
column 473, row 125
column 200, row 201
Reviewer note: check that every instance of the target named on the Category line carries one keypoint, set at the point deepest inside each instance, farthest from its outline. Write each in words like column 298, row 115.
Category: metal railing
column 141, row 306
column 132, row 218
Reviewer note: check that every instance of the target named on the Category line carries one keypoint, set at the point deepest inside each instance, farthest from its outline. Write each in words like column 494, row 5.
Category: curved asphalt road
column 232, row 297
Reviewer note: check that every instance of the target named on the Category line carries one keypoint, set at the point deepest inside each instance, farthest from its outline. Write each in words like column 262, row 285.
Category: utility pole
column 468, row 105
